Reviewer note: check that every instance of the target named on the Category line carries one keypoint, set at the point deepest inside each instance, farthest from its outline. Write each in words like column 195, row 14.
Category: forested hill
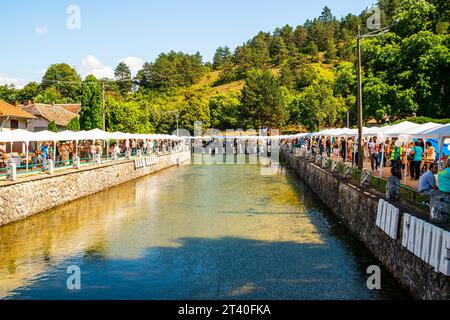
column 295, row 75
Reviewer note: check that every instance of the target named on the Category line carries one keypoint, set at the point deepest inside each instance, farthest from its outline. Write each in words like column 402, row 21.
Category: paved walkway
column 386, row 173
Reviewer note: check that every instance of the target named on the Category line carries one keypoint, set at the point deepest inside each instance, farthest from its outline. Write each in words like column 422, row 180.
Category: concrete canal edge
column 29, row 196
column 357, row 208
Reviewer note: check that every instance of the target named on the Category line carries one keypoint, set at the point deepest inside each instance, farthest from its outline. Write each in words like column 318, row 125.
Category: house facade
column 46, row 113
column 11, row 118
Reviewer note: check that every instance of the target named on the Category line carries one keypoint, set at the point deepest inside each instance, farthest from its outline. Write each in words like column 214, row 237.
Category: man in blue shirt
column 44, row 155
column 416, row 161
column 427, row 181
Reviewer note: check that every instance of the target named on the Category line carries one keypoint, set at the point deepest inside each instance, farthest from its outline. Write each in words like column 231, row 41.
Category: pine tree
column 123, row 77
column 91, row 116
column 263, row 102
column 287, row 78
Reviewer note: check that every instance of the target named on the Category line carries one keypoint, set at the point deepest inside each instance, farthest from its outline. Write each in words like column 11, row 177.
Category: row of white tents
column 96, row 134
column 408, row 129
column 405, row 130
column 26, row 137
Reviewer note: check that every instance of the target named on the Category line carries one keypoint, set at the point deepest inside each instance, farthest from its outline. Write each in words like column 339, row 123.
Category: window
column 14, row 124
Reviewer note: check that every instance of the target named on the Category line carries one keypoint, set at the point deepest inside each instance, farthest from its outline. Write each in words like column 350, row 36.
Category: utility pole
column 103, row 106
column 359, row 100
column 348, row 119
column 359, row 36
column 178, row 116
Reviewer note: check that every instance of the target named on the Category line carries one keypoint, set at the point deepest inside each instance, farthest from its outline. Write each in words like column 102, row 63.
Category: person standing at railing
column 116, row 150
column 343, row 149
column 373, row 152
column 150, row 147
column 350, row 150
column 58, row 154
column 336, row 149
column 86, row 150
column 71, row 149
column 65, row 153
column 44, row 155
column 328, row 146
column 355, row 152
column 380, row 148
column 444, row 177
column 416, row 160
column 396, row 162
column 429, row 156
column 409, row 157
column 320, row 146
column 93, row 151
column 99, row 148
column 133, row 147
column 365, row 148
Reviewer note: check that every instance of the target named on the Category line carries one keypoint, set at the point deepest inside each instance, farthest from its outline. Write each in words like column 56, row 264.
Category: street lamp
column 359, row 36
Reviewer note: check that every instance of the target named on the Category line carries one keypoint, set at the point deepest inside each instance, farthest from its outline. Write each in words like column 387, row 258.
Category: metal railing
column 42, row 167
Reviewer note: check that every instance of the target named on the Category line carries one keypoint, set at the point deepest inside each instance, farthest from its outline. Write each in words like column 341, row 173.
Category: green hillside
column 295, row 77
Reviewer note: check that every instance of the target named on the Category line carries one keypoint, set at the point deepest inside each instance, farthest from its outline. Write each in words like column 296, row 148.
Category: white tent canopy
column 96, row 134
column 422, row 128
column 371, row 131
column 16, row 136
column 412, row 130
column 441, row 132
column 44, row 136
column 397, row 129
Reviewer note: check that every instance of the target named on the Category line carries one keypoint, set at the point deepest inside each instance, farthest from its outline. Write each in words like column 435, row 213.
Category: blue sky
column 34, row 34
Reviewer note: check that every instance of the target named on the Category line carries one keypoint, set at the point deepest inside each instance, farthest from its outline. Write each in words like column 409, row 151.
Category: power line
column 87, row 81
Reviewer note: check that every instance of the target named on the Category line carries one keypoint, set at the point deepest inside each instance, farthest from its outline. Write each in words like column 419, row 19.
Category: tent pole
column 54, row 153
column 346, row 148
column 382, row 159
column 26, row 161
column 441, row 146
column 406, row 163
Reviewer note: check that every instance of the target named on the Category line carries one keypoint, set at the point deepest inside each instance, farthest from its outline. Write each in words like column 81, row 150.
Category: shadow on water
column 324, row 219
column 226, row 268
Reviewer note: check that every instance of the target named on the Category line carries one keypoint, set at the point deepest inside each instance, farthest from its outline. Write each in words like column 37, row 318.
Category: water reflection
column 190, row 232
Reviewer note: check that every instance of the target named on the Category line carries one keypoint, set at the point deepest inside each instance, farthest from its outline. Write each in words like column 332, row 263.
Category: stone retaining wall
column 357, row 209
column 21, row 199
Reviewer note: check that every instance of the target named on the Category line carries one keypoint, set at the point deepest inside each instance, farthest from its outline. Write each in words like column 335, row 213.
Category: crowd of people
column 414, row 159
column 40, row 153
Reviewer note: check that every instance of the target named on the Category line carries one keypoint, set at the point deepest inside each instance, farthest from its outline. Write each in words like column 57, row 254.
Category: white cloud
column 92, row 65
column 4, row 79
column 41, row 30
column 134, row 63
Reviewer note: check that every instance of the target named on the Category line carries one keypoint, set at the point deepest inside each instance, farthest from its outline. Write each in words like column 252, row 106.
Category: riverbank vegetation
column 301, row 77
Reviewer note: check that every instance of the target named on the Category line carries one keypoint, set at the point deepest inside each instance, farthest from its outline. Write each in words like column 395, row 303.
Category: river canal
column 191, row 232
